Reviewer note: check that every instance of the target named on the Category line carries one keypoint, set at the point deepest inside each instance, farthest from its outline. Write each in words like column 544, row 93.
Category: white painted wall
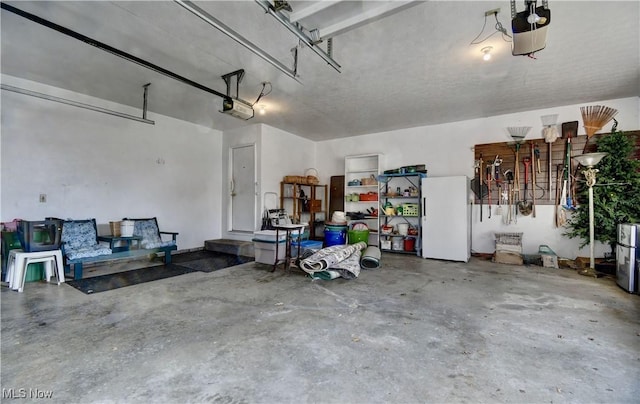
column 96, row 165
column 285, row 154
column 447, row 149
column 278, row 153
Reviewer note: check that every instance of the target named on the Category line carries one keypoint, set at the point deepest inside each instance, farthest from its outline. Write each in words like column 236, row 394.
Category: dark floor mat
column 213, row 263
column 195, row 255
column 199, row 261
column 118, row 280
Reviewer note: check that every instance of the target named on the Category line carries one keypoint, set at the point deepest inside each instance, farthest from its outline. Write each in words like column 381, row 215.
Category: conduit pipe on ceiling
column 266, row 5
column 78, row 104
column 110, row 49
column 211, row 20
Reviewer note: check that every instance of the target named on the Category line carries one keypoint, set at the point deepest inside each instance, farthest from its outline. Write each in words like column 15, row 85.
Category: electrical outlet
column 43, row 198
column 491, row 12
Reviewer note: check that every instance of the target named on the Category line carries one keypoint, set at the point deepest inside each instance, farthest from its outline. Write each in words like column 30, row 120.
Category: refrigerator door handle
column 424, row 206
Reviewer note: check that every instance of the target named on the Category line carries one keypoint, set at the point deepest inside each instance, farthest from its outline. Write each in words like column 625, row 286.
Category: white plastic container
column 126, row 228
column 397, row 243
column 270, row 235
column 265, row 251
column 403, row 229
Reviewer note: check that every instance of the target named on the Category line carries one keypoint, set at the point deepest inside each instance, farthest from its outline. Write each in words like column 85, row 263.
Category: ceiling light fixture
column 486, row 53
column 262, row 109
column 533, row 18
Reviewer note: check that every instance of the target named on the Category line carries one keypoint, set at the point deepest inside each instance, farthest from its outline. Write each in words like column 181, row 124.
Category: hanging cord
column 262, row 93
column 532, row 28
column 498, row 28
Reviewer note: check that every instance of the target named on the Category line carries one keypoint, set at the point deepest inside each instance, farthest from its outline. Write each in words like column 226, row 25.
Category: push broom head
column 550, row 130
column 518, row 133
column 594, row 117
column 549, row 120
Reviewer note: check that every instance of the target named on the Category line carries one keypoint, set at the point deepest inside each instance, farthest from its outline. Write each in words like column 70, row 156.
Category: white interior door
column 242, row 189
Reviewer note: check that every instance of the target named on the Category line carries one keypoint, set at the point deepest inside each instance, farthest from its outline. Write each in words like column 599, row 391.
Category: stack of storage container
column 508, row 248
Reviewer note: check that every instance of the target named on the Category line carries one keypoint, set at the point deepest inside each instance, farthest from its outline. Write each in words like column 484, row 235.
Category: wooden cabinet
column 336, row 195
column 306, row 204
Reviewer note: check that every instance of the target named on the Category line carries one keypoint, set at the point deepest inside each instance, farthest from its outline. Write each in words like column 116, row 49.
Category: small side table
column 289, row 229
column 19, row 260
column 113, row 240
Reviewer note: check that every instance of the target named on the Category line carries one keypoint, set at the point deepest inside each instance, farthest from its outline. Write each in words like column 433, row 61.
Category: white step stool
column 19, row 261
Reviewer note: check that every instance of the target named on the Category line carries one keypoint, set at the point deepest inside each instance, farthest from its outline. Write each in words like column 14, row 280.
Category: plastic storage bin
column 270, row 235
column 35, row 272
column 265, row 251
column 355, row 236
column 126, row 228
column 335, row 235
column 305, row 245
column 410, row 209
column 10, row 241
column 43, row 235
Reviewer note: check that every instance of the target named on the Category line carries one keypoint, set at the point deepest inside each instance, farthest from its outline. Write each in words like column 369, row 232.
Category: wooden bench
column 81, row 244
column 131, row 254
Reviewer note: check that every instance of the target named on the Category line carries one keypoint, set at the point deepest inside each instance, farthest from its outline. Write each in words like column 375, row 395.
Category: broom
column 595, row 117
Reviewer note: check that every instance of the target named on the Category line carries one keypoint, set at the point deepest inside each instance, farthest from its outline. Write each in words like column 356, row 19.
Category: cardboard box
column 315, row 205
column 549, row 261
column 506, row 257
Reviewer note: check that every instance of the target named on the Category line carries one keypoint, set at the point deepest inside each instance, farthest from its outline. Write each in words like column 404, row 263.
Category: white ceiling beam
column 310, row 10
column 364, row 17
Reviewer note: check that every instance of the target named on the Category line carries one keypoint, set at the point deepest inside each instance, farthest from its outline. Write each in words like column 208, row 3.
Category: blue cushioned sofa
column 81, row 244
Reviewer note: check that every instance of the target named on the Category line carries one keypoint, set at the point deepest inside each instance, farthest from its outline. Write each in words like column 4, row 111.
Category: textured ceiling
column 411, row 66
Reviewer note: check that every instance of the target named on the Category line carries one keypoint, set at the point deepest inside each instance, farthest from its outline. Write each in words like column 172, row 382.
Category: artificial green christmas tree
column 616, row 194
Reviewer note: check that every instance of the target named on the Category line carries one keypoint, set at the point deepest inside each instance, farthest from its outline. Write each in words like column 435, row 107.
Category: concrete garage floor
column 413, row 331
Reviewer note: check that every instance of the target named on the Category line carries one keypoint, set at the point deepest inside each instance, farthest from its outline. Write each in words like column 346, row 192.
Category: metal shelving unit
column 400, row 196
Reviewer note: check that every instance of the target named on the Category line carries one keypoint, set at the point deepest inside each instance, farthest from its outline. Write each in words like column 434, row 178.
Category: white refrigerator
column 446, row 218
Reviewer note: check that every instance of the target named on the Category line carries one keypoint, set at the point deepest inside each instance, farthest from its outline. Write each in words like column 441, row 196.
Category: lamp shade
column 590, row 159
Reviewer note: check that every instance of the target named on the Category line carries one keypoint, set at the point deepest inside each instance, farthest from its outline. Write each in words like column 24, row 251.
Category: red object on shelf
column 409, row 244
column 370, row 196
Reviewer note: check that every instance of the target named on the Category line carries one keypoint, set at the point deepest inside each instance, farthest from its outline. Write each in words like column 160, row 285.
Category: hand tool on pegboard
column 489, row 169
column 508, row 174
column 550, row 134
column 477, row 184
column 533, row 176
column 569, row 129
column 536, row 152
column 496, row 175
column 525, row 206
